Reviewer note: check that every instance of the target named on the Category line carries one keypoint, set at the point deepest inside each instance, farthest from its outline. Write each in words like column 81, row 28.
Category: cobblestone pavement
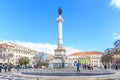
column 13, row 74
column 9, row 76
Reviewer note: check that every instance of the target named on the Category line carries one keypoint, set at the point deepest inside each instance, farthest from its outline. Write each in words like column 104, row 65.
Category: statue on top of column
column 60, row 11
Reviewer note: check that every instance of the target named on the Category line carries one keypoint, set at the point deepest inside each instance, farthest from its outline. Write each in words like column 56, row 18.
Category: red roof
column 1, row 45
column 85, row 53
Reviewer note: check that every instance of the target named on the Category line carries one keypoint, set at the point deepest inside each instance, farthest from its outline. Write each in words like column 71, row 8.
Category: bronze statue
column 60, row 11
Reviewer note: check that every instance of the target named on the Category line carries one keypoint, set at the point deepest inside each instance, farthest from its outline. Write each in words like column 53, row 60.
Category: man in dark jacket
column 78, row 67
column 5, row 67
column 0, row 67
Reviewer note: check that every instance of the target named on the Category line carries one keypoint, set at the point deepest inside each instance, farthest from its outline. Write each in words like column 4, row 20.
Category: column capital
column 60, row 19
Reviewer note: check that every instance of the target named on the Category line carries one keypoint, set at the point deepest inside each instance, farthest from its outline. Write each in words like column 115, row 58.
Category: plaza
column 59, row 40
column 34, row 74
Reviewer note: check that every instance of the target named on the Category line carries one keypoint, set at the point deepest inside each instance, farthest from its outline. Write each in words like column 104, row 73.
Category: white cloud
column 45, row 47
column 115, row 3
column 116, row 36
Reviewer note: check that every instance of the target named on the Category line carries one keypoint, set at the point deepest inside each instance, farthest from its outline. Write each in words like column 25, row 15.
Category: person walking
column 105, row 66
column 78, row 67
column 116, row 67
column 9, row 67
column 18, row 67
column 5, row 67
column 0, row 67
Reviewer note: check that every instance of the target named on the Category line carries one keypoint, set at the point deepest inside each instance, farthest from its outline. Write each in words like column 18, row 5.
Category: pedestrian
column 18, row 68
column 9, row 67
column 78, row 67
column 91, row 67
column 5, row 67
column 0, row 67
column 105, row 66
column 85, row 66
column 116, row 67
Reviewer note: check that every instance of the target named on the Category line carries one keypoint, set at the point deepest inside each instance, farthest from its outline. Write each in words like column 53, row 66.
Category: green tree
column 21, row 61
column 27, row 60
column 24, row 61
column 42, row 63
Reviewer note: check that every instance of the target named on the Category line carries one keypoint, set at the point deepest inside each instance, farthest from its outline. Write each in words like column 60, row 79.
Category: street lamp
column 2, row 55
column 8, row 56
column 116, row 56
column 115, row 53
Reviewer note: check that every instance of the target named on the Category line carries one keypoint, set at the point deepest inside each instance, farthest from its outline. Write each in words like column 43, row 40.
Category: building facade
column 112, row 55
column 6, row 53
column 92, row 58
column 117, row 44
column 11, row 53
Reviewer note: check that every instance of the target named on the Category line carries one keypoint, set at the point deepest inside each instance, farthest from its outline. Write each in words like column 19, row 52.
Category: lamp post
column 1, row 55
column 108, row 58
column 8, row 56
column 115, row 58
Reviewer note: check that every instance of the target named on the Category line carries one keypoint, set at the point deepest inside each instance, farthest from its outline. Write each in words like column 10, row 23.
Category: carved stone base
column 58, row 62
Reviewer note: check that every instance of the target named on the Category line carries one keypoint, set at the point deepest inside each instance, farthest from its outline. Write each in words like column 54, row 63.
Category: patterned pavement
column 13, row 74
column 9, row 76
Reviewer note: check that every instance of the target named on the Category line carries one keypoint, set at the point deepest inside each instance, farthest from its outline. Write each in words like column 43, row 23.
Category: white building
column 11, row 53
column 92, row 58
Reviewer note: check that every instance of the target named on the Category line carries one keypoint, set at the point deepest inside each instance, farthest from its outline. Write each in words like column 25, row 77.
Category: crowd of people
column 7, row 67
column 83, row 66
column 89, row 67
column 113, row 66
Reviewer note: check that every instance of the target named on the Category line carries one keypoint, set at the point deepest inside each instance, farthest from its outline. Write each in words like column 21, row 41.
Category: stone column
column 60, row 36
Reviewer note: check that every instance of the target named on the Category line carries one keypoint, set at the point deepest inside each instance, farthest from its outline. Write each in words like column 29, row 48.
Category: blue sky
column 88, row 25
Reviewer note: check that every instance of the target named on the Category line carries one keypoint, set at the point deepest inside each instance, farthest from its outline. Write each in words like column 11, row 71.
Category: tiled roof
column 1, row 45
column 85, row 53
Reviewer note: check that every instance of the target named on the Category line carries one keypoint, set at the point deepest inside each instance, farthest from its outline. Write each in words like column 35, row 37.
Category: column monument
column 60, row 59
column 60, row 51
